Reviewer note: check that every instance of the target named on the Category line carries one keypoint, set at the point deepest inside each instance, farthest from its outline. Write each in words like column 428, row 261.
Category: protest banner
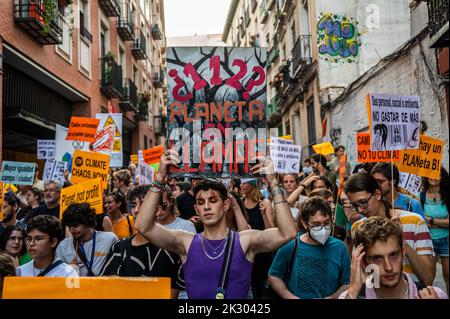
column 54, row 171
column 365, row 155
column 86, row 288
column 46, row 149
column 153, row 155
column 1, row 201
column 285, row 157
column 410, row 182
column 216, row 109
column 103, row 140
column 88, row 165
column 82, row 129
column 107, row 119
column 324, row 148
column 146, row 173
column 64, row 149
column 140, row 156
column 394, row 121
column 425, row 161
column 90, row 192
column 134, row 158
column 342, row 169
column 18, row 173
column 280, row 140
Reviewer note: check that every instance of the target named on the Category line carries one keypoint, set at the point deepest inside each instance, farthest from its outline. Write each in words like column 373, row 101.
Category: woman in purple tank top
column 203, row 254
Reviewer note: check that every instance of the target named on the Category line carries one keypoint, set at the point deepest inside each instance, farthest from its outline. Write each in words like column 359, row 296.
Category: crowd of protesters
column 292, row 236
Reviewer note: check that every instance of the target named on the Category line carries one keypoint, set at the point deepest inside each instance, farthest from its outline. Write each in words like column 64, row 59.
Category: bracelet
column 155, row 190
column 281, row 201
column 278, row 190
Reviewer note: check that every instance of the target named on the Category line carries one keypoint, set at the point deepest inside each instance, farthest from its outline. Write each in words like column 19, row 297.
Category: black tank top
column 255, row 218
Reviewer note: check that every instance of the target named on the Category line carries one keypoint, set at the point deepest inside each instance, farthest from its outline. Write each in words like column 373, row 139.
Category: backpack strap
column 224, row 274
column 130, row 229
column 50, row 268
column 291, row 263
column 422, row 199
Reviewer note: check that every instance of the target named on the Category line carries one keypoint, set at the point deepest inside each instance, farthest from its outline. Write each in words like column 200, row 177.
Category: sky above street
column 189, row 17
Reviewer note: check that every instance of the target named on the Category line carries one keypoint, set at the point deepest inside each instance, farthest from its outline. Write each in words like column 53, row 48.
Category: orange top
column 122, row 227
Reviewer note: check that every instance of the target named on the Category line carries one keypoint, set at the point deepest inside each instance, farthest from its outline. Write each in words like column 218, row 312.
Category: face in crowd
column 210, row 206
column 31, row 198
column 246, row 188
column 111, row 204
column 51, row 194
column 385, row 184
column 15, row 242
column 39, row 244
column 9, row 211
column 290, row 183
column 164, row 208
column 366, row 203
column 177, row 191
column 79, row 232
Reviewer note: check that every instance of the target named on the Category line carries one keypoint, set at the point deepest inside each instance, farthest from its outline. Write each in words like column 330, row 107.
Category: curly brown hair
column 377, row 228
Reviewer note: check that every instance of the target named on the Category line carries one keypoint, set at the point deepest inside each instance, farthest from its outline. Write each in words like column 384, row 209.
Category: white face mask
column 320, row 236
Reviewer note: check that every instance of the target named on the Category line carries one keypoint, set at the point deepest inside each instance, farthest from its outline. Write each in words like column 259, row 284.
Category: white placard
column 46, row 149
column 107, row 119
column 395, row 122
column 54, row 170
column 285, row 157
column 64, row 149
column 140, row 156
column 146, row 173
column 410, row 182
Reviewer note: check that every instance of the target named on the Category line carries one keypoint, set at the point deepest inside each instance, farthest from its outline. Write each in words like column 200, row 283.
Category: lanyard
column 91, row 262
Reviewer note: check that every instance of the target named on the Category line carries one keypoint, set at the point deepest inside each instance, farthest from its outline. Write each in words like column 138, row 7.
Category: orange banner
column 365, row 155
column 342, row 169
column 82, row 129
column 86, row 288
column 153, row 155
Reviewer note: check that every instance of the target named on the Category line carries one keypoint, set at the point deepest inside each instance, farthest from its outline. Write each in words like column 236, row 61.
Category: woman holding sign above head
column 435, row 202
column 116, row 207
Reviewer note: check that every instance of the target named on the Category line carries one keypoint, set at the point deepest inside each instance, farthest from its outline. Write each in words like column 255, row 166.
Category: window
column 84, row 15
column 104, row 39
column 287, row 124
column 122, row 59
column 134, row 75
column 145, row 142
column 293, row 34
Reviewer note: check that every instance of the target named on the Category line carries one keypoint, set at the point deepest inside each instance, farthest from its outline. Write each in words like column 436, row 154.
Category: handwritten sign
column 88, row 165
column 410, row 182
column 82, row 129
column 108, row 119
column 89, row 192
column 153, row 155
column 394, row 121
column 18, row 173
column 86, row 288
column 324, row 148
column 285, row 157
column 146, row 173
column 54, row 171
column 425, row 161
column 365, row 155
column 46, row 149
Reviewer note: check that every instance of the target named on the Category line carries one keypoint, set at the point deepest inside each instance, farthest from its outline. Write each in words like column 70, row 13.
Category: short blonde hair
column 123, row 175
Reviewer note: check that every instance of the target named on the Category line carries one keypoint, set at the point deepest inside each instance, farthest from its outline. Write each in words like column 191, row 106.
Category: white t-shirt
column 103, row 242
column 181, row 224
column 62, row 270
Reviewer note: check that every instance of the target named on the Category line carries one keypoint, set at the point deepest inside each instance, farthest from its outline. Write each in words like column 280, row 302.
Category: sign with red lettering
column 216, row 109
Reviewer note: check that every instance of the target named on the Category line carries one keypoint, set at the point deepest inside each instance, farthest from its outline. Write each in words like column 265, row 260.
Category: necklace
column 202, row 241
column 402, row 296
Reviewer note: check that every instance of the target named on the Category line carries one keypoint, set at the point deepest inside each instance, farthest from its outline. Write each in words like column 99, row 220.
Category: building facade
column 66, row 58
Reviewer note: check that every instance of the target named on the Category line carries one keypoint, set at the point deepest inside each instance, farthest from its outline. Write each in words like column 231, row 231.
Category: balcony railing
column 129, row 101
column 273, row 105
column 142, row 109
column 40, row 18
column 438, row 23
column 156, row 28
column 158, row 77
column 301, row 55
column 85, row 34
column 138, row 48
column 274, row 53
column 111, row 80
column 111, row 8
column 125, row 29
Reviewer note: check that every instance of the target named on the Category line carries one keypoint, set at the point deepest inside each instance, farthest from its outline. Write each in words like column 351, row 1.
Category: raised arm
column 172, row 240
column 303, row 185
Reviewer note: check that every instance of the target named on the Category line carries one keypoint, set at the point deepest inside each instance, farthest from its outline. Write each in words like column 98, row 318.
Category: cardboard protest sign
column 285, row 157
column 216, row 109
column 324, row 148
column 88, row 192
column 18, row 173
column 86, row 288
column 394, row 121
column 1, row 201
column 134, row 158
column 425, row 161
column 87, row 166
column 64, row 149
column 103, row 140
column 46, row 149
column 82, row 129
column 54, row 171
column 107, row 119
column 146, row 173
column 410, row 183
column 365, row 155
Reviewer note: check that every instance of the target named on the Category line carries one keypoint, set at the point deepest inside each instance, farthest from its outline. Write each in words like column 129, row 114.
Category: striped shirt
column 415, row 234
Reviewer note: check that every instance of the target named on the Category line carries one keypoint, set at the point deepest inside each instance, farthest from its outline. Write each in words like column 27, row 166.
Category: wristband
column 278, row 190
column 282, row 201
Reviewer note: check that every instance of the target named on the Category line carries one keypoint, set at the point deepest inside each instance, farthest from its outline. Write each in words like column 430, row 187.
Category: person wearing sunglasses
column 366, row 197
column 43, row 235
column 313, row 265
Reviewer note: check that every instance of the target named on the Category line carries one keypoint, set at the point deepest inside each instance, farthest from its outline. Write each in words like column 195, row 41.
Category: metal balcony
column 111, row 8
column 301, row 56
column 158, row 77
column 142, row 110
column 125, row 29
column 274, row 53
column 138, row 48
column 33, row 15
column 156, row 28
column 111, row 79
column 438, row 23
column 129, row 101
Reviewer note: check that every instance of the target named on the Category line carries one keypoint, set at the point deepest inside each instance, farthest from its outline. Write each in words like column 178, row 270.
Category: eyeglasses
column 319, row 227
column 36, row 240
column 15, row 238
column 49, row 190
column 363, row 204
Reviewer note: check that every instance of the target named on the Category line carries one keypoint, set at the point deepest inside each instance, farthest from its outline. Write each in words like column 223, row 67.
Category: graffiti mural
column 338, row 38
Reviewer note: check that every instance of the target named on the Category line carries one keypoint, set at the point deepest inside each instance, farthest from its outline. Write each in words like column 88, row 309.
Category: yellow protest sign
column 324, row 148
column 134, row 158
column 89, row 192
column 86, row 288
column 87, row 166
column 1, row 201
column 116, row 145
column 425, row 161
